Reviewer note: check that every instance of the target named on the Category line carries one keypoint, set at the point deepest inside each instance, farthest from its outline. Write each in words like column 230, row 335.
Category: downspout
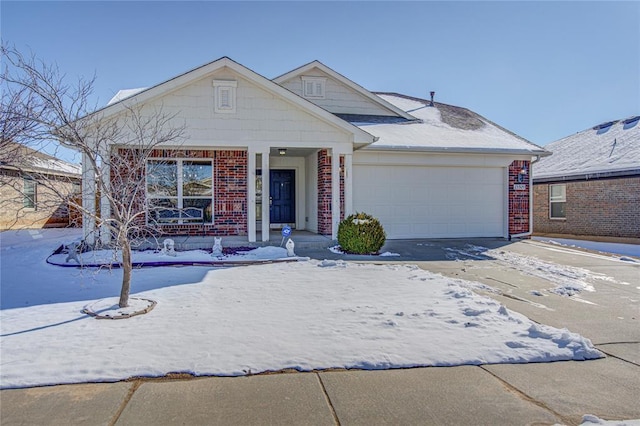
column 527, row 234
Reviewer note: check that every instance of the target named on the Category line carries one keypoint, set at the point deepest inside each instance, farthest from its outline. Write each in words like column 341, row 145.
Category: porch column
column 348, row 185
column 88, row 200
column 335, row 193
column 105, row 206
column 265, row 195
column 251, row 194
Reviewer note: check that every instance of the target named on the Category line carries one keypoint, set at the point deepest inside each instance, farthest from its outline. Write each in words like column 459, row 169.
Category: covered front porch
column 304, row 189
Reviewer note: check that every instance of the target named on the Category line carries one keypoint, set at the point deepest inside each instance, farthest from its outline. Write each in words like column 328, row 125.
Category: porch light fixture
column 282, row 151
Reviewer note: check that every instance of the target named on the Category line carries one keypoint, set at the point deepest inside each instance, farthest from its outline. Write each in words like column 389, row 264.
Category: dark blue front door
column 282, row 192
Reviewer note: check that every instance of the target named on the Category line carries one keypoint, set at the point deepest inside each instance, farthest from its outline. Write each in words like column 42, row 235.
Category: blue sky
column 543, row 70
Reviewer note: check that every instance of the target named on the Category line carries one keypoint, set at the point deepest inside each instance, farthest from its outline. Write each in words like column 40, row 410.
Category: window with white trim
column 313, row 87
column 180, row 190
column 29, row 193
column 557, row 201
column 225, row 96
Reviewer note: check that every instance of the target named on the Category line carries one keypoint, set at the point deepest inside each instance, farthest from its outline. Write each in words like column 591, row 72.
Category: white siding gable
column 257, row 115
column 338, row 98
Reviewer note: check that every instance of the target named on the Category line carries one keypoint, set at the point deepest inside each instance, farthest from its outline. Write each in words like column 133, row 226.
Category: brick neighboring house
column 591, row 184
column 310, row 147
column 29, row 180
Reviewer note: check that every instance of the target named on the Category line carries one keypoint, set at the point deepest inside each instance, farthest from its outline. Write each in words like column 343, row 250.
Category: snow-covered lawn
column 303, row 315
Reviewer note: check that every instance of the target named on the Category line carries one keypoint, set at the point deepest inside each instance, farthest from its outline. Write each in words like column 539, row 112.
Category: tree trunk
column 127, row 267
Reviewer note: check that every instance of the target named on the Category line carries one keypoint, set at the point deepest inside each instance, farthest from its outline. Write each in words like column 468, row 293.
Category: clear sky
column 543, row 70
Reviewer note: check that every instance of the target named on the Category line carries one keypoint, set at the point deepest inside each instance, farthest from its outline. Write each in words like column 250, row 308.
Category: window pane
column 558, row 192
column 29, row 198
column 558, row 210
column 196, row 178
column 162, row 178
column 200, row 203
column 164, row 210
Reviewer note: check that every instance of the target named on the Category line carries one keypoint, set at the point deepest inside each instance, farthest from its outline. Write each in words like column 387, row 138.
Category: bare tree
column 39, row 106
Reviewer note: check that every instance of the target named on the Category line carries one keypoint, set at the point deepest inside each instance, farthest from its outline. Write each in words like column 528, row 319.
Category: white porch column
column 251, row 194
column 265, row 195
column 105, row 206
column 88, row 200
column 348, row 185
column 335, row 193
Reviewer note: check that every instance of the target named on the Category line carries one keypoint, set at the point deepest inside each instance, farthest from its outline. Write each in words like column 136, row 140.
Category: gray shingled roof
column 606, row 150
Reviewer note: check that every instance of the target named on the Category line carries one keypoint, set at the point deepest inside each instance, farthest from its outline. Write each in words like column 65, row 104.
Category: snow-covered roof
column 24, row 158
column 443, row 128
column 609, row 149
column 124, row 94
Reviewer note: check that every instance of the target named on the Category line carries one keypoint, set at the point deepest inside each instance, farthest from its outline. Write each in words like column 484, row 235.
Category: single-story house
column 591, row 183
column 309, row 147
column 34, row 187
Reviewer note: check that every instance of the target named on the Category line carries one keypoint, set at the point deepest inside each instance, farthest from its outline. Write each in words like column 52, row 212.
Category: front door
column 282, row 206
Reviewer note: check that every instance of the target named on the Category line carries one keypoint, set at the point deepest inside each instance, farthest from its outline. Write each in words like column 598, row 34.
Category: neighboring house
column 34, row 187
column 591, row 183
column 311, row 146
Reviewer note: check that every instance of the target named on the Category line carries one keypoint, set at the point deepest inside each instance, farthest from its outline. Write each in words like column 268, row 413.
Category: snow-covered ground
column 568, row 281
column 603, row 247
column 302, row 315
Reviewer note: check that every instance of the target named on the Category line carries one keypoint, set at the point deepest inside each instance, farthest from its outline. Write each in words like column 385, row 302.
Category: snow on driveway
column 569, row 280
column 245, row 320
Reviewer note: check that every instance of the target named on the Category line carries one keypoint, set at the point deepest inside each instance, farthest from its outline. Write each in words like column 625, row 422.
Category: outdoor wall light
column 282, row 151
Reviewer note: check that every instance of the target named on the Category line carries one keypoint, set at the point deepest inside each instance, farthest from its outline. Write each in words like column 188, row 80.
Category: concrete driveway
column 506, row 394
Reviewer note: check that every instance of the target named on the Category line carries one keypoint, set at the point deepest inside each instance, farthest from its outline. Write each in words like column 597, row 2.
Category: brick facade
column 230, row 193
column 519, row 198
column 600, row 207
column 324, row 193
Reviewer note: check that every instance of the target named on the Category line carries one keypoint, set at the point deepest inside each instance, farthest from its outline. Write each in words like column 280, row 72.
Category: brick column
column 519, row 197
column 324, row 193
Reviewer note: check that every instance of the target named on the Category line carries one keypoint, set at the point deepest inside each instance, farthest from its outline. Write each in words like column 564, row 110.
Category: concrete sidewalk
column 505, row 394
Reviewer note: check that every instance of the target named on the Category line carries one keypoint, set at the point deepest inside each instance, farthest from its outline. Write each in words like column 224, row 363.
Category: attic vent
column 604, row 125
column 313, row 87
column 630, row 122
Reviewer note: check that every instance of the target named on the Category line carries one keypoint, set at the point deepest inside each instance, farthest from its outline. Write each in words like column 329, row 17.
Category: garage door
column 432, row 202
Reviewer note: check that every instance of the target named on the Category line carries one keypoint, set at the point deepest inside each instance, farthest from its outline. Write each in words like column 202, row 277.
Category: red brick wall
column 230, row 193
column 324, row 193
column 601, row 207
column 230, row 197
column 519, row 199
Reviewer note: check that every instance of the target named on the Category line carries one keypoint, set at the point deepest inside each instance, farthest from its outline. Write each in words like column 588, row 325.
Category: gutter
column 456, row 150
column 589, row 176
column 528, row 234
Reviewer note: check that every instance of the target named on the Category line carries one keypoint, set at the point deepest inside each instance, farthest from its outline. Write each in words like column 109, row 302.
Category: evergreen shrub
column 361, row 233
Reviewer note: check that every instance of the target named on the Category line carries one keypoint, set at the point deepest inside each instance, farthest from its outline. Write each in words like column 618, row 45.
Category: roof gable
column 142, row 96
column 317, row 68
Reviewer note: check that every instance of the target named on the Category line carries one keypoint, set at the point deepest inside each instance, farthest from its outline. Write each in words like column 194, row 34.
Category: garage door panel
column 432, row 202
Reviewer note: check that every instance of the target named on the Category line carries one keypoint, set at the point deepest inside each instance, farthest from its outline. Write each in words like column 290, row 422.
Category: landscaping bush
column 361, row 233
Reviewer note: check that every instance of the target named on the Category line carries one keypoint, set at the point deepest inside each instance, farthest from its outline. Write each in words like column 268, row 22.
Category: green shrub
column 361, row 233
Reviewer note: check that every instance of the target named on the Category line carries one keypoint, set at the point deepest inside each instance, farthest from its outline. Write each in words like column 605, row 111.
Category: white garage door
column 432, row 202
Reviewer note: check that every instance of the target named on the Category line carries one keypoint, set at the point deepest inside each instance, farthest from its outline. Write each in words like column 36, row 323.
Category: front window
column 29, row 194
column 180, row 191
column 557, row 201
